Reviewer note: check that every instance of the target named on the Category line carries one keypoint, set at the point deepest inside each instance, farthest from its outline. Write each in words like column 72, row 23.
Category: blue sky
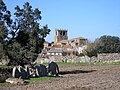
column 82, row 18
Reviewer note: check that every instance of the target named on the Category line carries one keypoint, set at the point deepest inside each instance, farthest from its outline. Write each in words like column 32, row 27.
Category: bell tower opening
column 60, row 35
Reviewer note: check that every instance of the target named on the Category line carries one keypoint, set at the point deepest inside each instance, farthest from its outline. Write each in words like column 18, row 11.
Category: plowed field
column 104, row 77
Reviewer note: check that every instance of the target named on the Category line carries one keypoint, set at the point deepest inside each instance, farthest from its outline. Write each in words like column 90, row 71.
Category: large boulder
column 15, row 73
column 24, row 72
column 21, row 72
column 41, row 70
column 53, row 69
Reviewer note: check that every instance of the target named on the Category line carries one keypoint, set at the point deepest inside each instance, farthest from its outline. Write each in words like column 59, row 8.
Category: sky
column 90, row 19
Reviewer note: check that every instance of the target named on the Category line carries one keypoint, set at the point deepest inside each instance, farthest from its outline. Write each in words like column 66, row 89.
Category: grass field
column 87, row 63
column 37, row 79
column 30, row 81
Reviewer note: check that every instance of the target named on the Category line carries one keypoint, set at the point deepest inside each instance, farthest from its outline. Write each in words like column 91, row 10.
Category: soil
column 105, row 77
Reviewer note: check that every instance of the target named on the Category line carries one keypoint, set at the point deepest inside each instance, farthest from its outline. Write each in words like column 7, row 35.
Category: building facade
column 63, row 46
column 60, row 35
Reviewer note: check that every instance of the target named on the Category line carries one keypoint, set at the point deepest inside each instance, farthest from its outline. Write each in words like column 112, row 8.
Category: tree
column 27, row 36
column 104, row 44
column 108, row 44
column 5, row 23
column 91, row 49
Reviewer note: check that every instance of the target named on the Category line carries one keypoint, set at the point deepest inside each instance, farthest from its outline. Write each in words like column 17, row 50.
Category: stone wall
column 109, row 57
column 112, row 57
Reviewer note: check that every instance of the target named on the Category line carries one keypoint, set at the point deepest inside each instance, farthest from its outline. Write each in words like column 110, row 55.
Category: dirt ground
column 106, row 77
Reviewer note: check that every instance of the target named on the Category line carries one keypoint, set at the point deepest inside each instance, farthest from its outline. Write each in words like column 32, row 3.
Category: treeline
column 104, row 44
column 21, row 38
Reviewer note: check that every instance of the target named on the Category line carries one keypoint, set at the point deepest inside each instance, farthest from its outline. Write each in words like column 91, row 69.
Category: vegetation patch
column 87, row 63
column 6, row 84
column 5, row 66
column 34, row 80
column 29, row 81
column 72, row 63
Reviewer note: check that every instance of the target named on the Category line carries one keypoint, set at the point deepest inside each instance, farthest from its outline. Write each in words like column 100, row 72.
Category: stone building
column 60, row 35
column 73, row 45
column 80, row 41
column 47, row 45
column 64, row 46
column 55, row 51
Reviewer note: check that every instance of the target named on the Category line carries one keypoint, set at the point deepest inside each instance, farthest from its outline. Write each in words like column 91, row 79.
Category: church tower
column 60, row 35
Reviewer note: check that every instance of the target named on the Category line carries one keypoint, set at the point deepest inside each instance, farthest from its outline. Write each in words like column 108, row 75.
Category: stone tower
column 60, row 35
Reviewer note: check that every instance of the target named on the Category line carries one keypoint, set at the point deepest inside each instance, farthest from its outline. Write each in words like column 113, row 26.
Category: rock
column 15, row 73
column 15, row 81
column 53, row 69
column 32, row 71
column 41, row 70
column 24, row 72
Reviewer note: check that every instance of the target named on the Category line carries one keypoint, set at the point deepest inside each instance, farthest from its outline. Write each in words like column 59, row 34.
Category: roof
column 61, row 30
column 43, row 52
column 57, row 46
column 79, row 38
column 67, row 46
column 55, row 51
column 62, row 41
